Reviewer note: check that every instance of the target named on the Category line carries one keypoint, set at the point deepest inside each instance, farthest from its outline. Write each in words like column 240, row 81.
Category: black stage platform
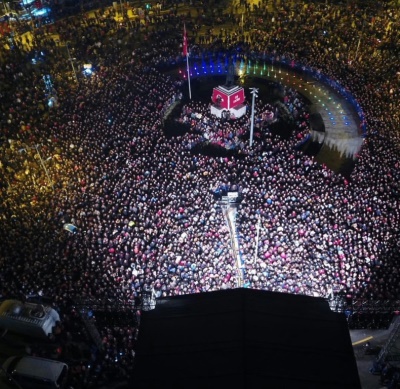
column 244, row 338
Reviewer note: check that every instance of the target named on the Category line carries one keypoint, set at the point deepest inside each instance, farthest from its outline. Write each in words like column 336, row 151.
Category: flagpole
column 186, row 52
column 188, row 74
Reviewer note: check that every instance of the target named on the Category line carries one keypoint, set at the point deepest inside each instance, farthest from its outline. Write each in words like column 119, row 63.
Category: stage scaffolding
column 364, row 313
column 100, row 312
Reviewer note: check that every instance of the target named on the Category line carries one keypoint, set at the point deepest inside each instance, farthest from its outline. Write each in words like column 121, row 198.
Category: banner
column 236, row 99
column 220, row 99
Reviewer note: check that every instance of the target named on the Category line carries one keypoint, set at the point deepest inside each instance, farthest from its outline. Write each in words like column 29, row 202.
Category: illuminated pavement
column 340, row 118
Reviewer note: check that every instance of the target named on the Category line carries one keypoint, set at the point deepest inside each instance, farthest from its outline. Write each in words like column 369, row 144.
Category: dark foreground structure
column 244, row 338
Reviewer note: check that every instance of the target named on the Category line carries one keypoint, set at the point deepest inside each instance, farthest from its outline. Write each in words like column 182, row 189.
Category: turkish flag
column 185, row 45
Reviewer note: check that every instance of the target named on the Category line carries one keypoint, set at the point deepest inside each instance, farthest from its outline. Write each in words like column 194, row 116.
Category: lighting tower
column 254, row 92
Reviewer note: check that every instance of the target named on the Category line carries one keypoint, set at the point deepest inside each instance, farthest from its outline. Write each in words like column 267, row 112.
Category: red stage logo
column 236, row 99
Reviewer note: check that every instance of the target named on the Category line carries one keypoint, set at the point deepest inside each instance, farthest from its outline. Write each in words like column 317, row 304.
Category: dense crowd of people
column 143, row 202
column 226, row 131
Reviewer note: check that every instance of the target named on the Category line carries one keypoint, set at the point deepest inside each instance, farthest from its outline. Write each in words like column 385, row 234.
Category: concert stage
column 228, row 99
column 244, row 338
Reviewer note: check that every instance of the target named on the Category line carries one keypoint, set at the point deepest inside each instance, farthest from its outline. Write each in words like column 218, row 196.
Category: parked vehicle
column 30, row 319
column 35, row 373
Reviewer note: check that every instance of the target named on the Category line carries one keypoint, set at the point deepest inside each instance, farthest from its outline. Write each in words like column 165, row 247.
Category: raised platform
column 228, row 99
column 233, row 113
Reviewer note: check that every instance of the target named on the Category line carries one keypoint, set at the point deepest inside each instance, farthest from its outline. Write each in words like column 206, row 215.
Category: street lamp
column 71, row 60
column 258, row 227
column 254, row 92
column 36, row 148
column 44, row 166
column 122, row 10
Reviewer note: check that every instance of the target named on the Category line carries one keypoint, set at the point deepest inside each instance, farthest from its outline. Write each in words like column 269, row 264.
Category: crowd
column 229, row 133
column 143, row 203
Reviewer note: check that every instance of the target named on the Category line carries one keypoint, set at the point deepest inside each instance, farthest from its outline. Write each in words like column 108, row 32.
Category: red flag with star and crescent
column 185, row 43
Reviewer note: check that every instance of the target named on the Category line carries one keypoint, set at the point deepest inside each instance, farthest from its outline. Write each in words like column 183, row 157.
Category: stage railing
column 364, row 313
